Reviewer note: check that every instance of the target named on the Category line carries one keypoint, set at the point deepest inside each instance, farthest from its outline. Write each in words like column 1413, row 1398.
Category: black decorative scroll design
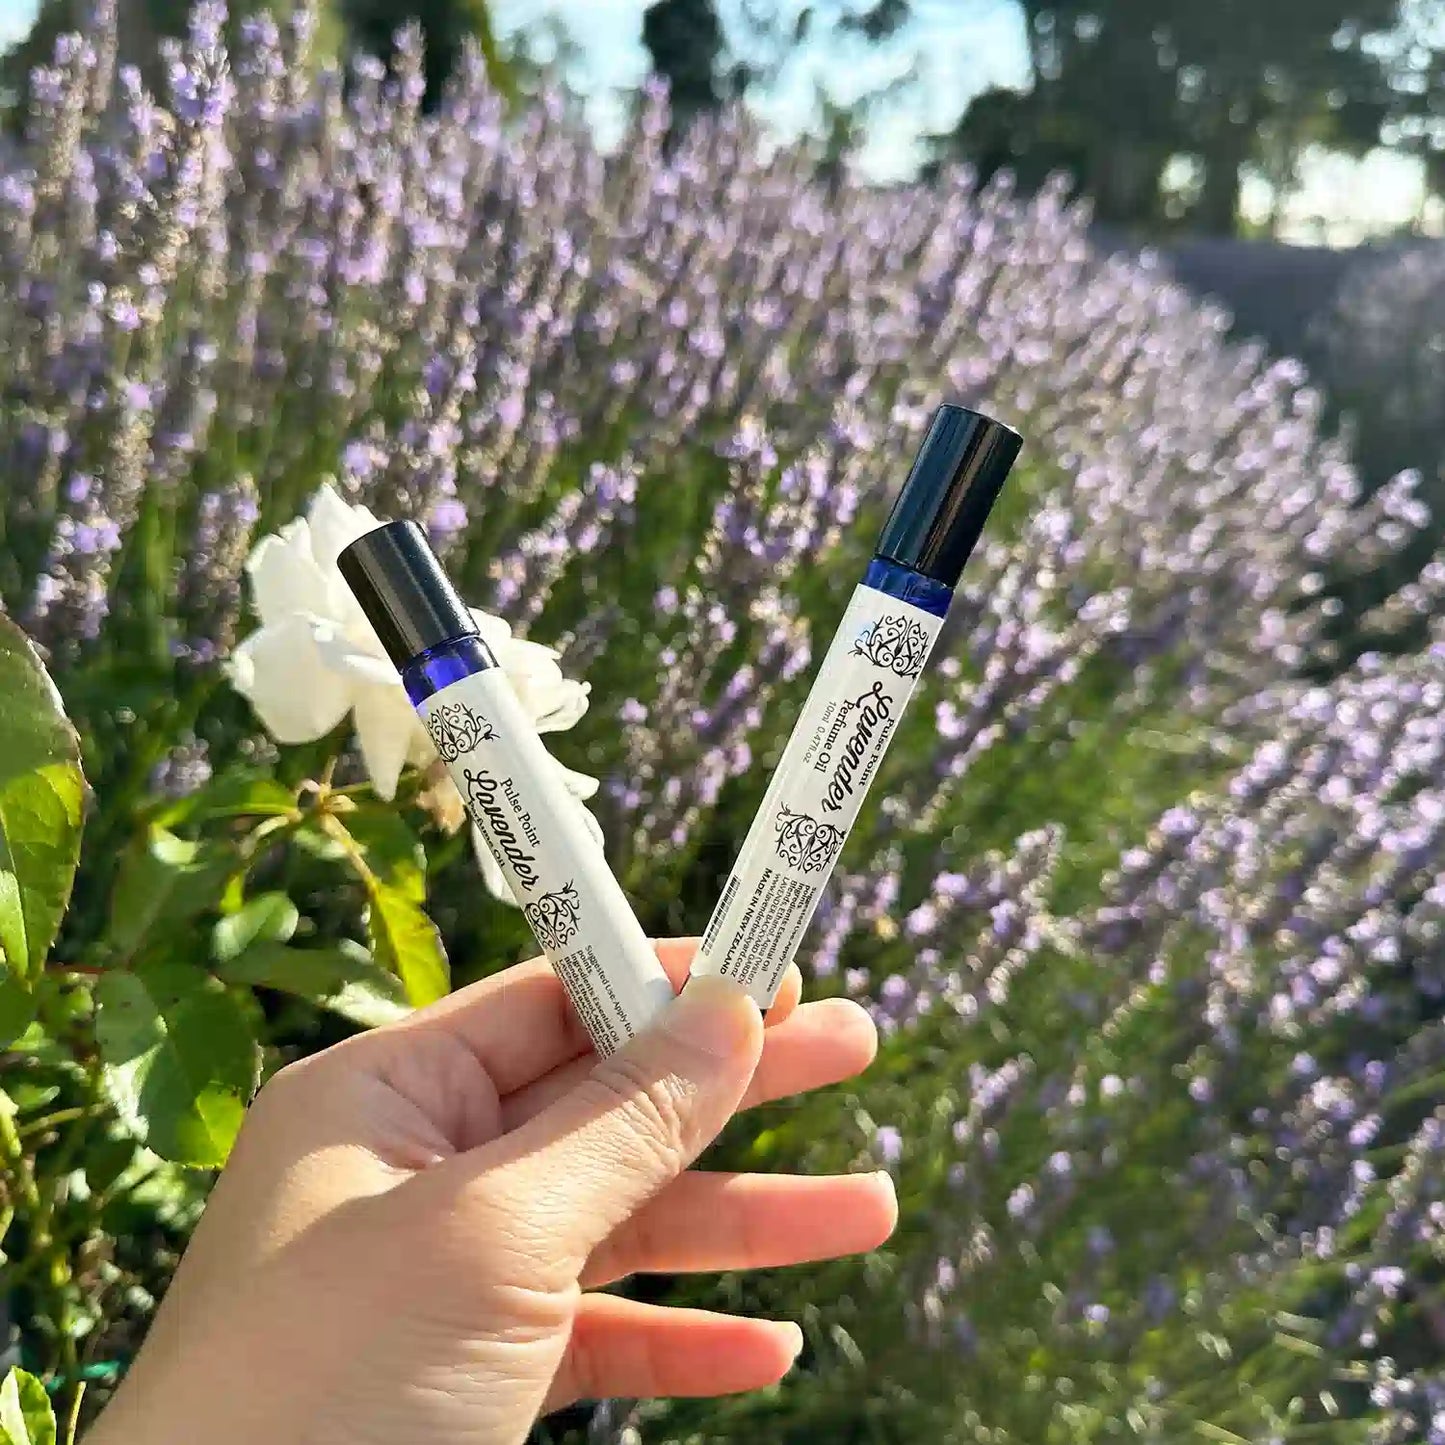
column 553, row 917
column 897, row 644
column 456, row 729
column 804, row 843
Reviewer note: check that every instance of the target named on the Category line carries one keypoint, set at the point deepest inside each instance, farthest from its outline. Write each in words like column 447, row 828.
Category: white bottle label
column 831, row 759
column 557, row 871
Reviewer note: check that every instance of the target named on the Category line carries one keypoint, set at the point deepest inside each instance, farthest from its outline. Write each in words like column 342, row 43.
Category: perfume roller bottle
column 852, row 712
column 512, row 788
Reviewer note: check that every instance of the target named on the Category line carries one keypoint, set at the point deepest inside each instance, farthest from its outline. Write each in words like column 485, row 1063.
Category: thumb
column 583, row 1166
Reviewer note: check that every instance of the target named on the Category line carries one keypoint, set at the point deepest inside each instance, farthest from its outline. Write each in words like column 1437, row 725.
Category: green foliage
column 178, row 1038
column 218, row 928
column 42, row 795
column 392, row 865
column 343, row 978
column 164, row 883
column 267, row 918
column 25, row 1414
column 180, row 1062
column 17, row 1008
column 406, row 942
column 685, row 40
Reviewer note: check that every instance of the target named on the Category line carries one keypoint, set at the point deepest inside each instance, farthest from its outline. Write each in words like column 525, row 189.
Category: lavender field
column 1147, row 907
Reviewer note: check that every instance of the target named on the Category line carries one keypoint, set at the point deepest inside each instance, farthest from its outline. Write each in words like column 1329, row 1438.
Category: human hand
column 407, row 1240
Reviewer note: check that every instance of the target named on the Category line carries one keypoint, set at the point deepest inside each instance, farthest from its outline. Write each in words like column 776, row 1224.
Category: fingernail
column 713, row 1014
column 796, row 1344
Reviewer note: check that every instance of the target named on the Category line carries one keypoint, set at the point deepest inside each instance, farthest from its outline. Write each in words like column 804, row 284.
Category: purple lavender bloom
column 183, row 770
column 888, row 1142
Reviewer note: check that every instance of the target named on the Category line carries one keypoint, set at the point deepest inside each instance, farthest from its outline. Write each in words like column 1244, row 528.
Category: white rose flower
column 315, row 658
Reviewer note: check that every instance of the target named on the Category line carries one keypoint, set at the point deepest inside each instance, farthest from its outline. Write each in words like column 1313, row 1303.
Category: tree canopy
column 705, row 66
column 1125, row 88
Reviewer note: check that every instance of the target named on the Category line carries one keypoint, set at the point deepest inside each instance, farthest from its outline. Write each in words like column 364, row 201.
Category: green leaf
column 343, row 978
column 107, row 1156
column 404, row 940
column 164, row 882
column 310, row 838
column 1218, row 1432
column 267, row 918
column 232, row 795
column 25, row 1414
column 392, row 851
column 42, row 798
column 180, row 1061
column 17, row 1008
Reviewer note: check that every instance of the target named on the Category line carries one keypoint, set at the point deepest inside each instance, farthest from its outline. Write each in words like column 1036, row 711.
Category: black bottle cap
column 394, row 574
column 956, row 478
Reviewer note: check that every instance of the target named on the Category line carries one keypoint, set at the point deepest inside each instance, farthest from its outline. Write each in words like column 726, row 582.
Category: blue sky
column 15, row 18
column 961, row 47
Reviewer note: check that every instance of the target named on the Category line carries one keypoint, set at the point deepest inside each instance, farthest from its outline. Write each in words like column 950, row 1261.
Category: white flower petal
column 592, row 826
column 316, row 657
column 279, row 672
column 284, row 578
column 422, row 753
column 340, row 651
column 552, row 700
column 561, row 706
column 335, row 524
column 581, row 785
column 494, row 629
column 519, row 655
column 386, row 729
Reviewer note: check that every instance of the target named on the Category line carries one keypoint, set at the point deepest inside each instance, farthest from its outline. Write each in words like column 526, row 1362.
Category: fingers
column 790, row 992
column 577, row 1169
column 621, row 1348
column 818, row 1044
column 823, row 1043
column 706, row 1222
column 520, row 1025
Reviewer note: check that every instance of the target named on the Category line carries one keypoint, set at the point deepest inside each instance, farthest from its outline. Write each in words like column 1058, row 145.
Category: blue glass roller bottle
column 512, row 787
column 852, row 711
